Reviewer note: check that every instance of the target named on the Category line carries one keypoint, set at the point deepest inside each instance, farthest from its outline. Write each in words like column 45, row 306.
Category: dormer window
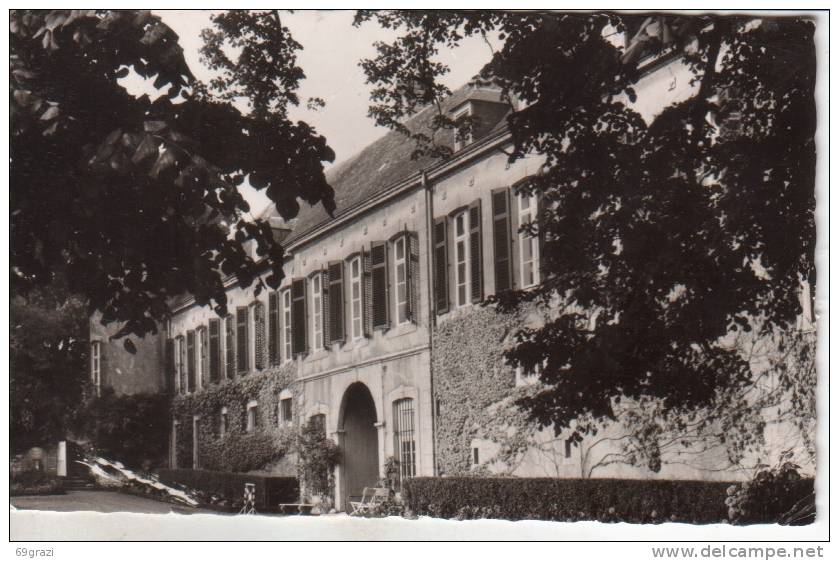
column 462, row 140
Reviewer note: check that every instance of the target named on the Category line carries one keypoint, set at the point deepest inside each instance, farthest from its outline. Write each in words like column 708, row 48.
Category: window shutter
column 259, row 335
column 298, row 316
column 324, row 308
column 204, row 368
column 273, row 328
column 366, row 294
column 540, row 219
column 171, row 382
column 230, row 350
column 242, row 340
column 412, row 244
column 190, row 361
column 502, row 240
column 180, row 347
column 475, row 250
column 336, row 302
column 184, row 367
column 215, row 350
column 441, row 265
column 378, row 272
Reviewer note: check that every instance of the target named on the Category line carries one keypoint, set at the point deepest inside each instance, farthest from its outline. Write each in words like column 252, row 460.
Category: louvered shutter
column 441, row 265
column 273, row 328
column 335, row 273
column 298, row 316
column 379, row 282
column 203, row 371
column 190, row 361
column 215, row 350
column 259, row 335
column 412, row 244
column 184, row 371
column 242, row 340
column 475, row 252
column 230, row 345
column 171, row 382
column 502, row 240
column 366, row 294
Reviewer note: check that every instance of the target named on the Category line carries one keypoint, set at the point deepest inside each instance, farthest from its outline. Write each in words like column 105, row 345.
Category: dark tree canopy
column 658, row 239
column 135, row 200
column 47, row 364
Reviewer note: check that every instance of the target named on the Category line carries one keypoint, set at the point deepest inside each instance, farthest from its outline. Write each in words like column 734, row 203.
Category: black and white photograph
column 395, row 274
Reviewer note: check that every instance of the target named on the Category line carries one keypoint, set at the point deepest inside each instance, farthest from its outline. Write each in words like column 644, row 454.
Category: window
column 251, row 420
column 96, row 365
column 287, row 355
column 404, row 445
column 318, row 423
column 317, row 312
column 528, row 377
column 462, row 140
column 476, row 457
column 400, row 270
column 224, row 421
column 196, row 424
column 529, row 244
column 461, row 258
column 284, row 416
column 356, row 319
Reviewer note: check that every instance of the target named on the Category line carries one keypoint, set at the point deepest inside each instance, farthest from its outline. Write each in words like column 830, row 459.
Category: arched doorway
column 360, row 462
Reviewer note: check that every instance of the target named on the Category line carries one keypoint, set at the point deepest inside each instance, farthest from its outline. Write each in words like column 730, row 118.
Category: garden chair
column 370, row 497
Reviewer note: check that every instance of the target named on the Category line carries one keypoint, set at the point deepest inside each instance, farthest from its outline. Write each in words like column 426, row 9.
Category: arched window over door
column 404, row 443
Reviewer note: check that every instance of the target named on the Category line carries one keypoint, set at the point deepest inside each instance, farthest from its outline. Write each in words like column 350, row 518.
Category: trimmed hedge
column 270, row 490
column 568, row 500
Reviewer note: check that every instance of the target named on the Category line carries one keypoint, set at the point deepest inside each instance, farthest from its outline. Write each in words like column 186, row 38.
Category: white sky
column 332, row 48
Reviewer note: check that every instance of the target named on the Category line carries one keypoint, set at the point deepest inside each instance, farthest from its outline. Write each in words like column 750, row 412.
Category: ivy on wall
column 238, row 450
column 475, row 390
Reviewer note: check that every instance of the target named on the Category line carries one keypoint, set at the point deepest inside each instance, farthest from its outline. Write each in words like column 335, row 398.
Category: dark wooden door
column 361, row 445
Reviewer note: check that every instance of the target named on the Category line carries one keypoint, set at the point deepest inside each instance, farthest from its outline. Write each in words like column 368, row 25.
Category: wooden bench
column 298, row 508
column 370, row 497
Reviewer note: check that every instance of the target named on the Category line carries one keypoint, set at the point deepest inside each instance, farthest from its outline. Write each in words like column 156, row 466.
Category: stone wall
column 127, row 373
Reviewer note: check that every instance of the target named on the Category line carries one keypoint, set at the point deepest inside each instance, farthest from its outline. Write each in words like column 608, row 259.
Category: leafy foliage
column 772, row 496
column 135, row 200
column 317, row 457
column 133, row 429
column 48, row 364
column 661, row 237
column 237, row 450
column 568, row 500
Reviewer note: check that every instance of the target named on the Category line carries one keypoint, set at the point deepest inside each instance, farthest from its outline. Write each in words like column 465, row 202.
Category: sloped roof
column 382, row 164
